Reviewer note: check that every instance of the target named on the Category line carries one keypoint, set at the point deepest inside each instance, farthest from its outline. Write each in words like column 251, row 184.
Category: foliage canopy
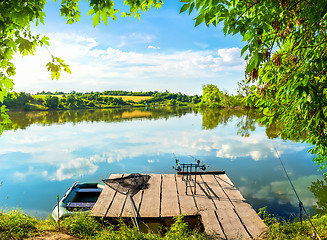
column 286, row 54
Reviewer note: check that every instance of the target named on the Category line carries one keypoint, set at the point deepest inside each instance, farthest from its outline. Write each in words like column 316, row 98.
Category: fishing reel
column 203, row 167
column 178, row 168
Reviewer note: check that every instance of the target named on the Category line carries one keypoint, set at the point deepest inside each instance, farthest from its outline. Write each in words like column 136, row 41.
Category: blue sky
column 162, row 51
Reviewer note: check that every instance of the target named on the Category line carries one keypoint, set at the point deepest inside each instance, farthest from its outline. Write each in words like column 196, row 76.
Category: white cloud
column 200, row 44
column 229, row 54
column 141, row 37
column 100, row 67
column 153, row 47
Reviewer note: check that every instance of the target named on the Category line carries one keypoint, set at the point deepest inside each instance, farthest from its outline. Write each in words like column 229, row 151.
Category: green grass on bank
column 293, row 229
column 18, row 225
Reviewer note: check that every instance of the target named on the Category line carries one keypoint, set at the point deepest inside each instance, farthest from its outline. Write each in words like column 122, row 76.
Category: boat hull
column 80, row 197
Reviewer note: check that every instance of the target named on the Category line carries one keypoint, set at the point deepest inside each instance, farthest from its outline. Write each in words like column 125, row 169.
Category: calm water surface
column 45, row 152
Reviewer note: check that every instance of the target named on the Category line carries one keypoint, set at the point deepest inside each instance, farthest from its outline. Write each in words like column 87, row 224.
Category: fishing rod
column 315, row 233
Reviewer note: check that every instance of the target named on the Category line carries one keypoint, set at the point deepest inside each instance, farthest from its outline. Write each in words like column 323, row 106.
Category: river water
column 44, row 153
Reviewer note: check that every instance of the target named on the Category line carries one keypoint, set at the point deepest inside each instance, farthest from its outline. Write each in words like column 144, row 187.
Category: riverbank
column 17, row 225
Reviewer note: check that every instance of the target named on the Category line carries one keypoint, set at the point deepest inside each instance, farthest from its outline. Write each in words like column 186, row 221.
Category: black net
column 130, row 184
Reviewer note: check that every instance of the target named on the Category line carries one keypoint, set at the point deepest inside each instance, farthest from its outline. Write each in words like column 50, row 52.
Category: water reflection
column 50, row 150
column 319, row 189
column 22, row 120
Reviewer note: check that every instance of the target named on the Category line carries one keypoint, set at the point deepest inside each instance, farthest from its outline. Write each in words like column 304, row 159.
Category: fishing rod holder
column 187, row 170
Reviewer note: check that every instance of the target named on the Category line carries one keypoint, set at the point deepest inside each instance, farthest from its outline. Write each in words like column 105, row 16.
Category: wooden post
column 58, row 211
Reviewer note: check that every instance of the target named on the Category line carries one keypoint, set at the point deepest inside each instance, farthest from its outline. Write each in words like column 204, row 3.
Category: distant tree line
column 107, row 99
column 212, row 97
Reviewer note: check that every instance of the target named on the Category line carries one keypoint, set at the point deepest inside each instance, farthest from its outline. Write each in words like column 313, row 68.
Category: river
column 44, row 153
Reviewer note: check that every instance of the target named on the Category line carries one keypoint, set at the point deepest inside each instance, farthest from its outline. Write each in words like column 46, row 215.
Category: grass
column 18, row 225
column 293, row 229
column 87, row 227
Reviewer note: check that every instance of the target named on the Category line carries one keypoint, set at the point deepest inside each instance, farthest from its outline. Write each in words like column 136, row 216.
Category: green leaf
column 265, row 111
column 244, row 49
column 247, row 36
column 191, row 8
column 199, row 19
column 96, row 19
column 250, row 65
column 184, row 8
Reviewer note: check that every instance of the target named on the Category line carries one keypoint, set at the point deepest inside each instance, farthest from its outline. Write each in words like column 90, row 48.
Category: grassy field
column 133, row 98
column 37, row 96
column 125, row 98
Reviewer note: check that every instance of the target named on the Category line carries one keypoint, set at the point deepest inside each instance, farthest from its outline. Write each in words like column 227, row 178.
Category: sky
column 161, row 51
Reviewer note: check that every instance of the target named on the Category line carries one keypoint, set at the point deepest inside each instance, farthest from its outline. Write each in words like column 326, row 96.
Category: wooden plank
column 150, row 205
column 216, row 192
column 253, row 223
column 202, row 197
column 169, row 198
column 229, row 188
column 117, row 205
column 212, row 225
column 229, row 221
column 102, row 204
column 186, row 202
column 231, row 225
column 255, row 226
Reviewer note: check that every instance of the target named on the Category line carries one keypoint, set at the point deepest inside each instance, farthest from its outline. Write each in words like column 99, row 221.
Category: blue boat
column 80, row 197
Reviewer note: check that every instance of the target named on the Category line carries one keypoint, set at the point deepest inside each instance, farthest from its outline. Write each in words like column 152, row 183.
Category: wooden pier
column 224, row 212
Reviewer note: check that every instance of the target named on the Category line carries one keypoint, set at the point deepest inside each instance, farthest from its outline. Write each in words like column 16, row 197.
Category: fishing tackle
column 315, row 233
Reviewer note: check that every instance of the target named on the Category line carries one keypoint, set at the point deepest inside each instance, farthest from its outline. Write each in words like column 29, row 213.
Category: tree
column 286, row 54
column 211, row 94
column 51, row 102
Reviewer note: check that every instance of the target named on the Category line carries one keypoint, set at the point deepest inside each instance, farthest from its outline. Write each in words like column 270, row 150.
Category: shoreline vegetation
column 44, row 101
column 15, row 224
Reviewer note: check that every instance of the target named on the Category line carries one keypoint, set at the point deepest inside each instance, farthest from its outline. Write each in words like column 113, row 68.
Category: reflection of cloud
column 282, row 191
column 153, row 160
column 31, row 171
column 27, row 139
column 75, row 168
column 257, row 146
